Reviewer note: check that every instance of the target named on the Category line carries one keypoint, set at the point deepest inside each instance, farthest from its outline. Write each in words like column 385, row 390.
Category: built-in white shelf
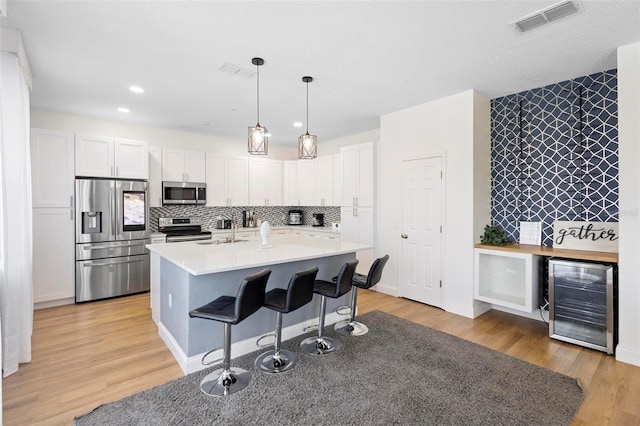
column 507, row 279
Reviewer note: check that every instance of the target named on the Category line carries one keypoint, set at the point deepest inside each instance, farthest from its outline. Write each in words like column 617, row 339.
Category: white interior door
column 421, row 231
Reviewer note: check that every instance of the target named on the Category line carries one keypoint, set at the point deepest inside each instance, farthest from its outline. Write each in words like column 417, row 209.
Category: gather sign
column 595, row 236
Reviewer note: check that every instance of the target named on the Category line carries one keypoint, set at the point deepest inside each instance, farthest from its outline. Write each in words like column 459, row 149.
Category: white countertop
column 198, row 259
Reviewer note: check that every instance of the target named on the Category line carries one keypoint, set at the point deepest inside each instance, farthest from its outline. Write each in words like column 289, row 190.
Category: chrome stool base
column 267, row 363
column 221, row 382
column 319, row 346
column 351, row 328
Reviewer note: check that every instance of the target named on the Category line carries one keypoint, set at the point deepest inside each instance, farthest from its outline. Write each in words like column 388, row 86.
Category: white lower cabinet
column 53, row 255
column 507, row 279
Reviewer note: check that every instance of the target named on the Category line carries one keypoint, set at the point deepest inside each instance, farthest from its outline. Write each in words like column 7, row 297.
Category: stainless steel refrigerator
column 112, row 228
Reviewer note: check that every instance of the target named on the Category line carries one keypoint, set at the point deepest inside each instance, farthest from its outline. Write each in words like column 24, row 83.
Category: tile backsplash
column 277, row 216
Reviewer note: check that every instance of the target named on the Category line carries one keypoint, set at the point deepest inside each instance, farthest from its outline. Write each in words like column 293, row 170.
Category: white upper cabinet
column 195, row 166
column 290, row 183
column 238, row 181
column 307, row 182
column 265, row 182
column 227, row 180
column 216, row 180
column 358, row 175
column 95, row 156
column 337, row 179
column 183, row 166
column 155, row 176
column 52, row 168
column 102, row 156
column 131, row 159
column 324, row 181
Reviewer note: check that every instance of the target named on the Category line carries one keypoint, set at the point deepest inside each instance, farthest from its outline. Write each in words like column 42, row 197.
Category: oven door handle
column 89, row 265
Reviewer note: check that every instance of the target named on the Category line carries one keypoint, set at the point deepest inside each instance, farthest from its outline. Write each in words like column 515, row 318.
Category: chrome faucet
column 234, row 228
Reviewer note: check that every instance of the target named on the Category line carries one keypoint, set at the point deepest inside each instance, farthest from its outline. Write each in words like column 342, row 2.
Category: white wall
column 333, row 146
column 457, row 127
column 628, row 349
column 155, row 136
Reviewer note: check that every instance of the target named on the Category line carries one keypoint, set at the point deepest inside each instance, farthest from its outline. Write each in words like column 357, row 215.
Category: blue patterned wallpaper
column 554, row 154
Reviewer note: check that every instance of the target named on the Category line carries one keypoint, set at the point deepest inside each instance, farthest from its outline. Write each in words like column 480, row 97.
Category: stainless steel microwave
column 184, row 193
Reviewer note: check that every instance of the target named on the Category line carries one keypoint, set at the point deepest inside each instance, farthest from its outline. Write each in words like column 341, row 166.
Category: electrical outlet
column 170, row 299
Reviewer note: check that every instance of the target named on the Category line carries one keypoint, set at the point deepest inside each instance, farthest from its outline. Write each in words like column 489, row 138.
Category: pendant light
column 258, row 140
column 307, row 144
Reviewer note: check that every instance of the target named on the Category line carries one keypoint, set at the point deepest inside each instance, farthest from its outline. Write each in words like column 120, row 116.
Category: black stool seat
column 222, row 309
column 360, row 280
column 330, row 289
column 321, row 345
column 231, row 310
column 350, row 327
column 298, row 293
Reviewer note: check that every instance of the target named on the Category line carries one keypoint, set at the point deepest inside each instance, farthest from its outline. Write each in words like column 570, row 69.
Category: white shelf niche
column 507, row 279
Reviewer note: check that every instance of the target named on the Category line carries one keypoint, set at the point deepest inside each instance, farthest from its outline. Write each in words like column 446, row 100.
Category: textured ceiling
column 367, row 58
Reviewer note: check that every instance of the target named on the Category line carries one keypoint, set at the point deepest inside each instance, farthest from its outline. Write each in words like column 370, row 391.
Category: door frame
column 443, row 210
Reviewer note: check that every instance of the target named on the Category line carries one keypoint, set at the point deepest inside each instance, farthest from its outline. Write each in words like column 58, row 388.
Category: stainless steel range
column 180, row 229
column 111, row 232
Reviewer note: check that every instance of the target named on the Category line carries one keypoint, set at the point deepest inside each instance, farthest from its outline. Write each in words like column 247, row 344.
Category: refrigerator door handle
column 102, row 247
column 114, row 231
column 91, row 264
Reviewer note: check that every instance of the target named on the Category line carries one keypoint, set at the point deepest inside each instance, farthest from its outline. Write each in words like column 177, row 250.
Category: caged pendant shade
column 307, row 144
column 258, row 140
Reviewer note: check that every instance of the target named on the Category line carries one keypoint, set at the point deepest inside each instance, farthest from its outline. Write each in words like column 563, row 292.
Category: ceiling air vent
column 236, row 70
column 549, row 14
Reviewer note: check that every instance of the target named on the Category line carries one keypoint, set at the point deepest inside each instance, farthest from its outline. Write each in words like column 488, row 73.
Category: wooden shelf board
column 600, row 256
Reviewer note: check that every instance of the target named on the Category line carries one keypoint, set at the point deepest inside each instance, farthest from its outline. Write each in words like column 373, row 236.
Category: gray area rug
column 398, row 373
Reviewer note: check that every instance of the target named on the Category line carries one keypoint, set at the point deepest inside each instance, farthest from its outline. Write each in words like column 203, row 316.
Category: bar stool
column 231, row 310
column 298, row 293
column 354, row 328
column 323, row 345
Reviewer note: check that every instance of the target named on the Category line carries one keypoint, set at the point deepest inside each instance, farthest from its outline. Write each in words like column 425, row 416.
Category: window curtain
column 16, row 288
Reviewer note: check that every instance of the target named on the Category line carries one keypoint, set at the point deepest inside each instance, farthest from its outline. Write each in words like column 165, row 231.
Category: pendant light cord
column 258, row 93
column 307, row 107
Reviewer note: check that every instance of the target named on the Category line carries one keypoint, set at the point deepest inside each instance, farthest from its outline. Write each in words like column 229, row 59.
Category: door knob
column 404, row 236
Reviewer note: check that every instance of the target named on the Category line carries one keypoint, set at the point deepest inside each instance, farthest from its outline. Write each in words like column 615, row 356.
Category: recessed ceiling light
column 297, row 124
column 123, row 109
column 136, row 89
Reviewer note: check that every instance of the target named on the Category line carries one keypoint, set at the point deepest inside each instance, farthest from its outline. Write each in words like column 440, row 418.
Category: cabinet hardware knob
column 404, row 236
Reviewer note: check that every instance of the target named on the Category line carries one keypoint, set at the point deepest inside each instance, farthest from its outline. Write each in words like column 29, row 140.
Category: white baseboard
column 194, row 363
column 628, row 355
column 173, row 346
column 53, row 303
column 387, row 289
column 458, row 309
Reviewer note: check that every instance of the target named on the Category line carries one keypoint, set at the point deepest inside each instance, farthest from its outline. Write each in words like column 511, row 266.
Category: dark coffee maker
column 317, row 219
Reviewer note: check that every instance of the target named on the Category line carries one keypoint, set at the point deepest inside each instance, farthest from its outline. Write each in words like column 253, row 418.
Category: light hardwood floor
column 89, row 354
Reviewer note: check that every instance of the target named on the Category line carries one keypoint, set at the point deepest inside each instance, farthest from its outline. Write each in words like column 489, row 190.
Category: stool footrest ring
column 265, row 336
column 343, row 310
column 214, row 361
column 309, row 328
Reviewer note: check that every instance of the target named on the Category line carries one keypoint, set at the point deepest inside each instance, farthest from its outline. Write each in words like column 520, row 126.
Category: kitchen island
column 188, row 275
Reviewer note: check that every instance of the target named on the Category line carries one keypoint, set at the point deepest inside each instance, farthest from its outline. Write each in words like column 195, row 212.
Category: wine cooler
column 581, row 299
